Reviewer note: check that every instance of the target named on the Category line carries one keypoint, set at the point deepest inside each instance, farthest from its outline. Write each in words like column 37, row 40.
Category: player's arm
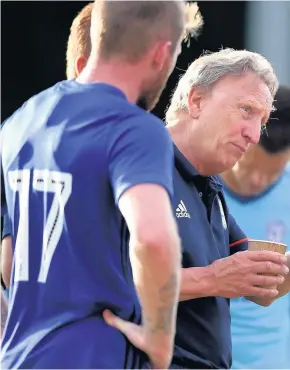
column 6, row 251
column 154, row 253
column 6, row 243
column 141, row 167
column 6, row 259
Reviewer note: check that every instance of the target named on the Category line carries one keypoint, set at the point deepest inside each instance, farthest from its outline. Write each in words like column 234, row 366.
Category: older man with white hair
column 216, row 112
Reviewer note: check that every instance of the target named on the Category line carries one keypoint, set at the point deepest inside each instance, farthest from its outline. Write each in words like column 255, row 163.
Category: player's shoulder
column 137, row 118
column 140, row 130
column 31, row 104
column 143, row 126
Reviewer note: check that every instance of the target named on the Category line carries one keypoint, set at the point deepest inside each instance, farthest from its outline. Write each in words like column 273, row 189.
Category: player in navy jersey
column 79, row 151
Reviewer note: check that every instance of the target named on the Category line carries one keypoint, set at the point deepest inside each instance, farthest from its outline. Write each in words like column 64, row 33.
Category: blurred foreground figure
column 77, row 174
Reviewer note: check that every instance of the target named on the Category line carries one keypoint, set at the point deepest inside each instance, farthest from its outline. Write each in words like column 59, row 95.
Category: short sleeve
column 140, row 151
column 238, row 240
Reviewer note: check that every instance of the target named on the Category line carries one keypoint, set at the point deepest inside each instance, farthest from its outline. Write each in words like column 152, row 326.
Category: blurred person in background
column 257, row 192
column 79, row 43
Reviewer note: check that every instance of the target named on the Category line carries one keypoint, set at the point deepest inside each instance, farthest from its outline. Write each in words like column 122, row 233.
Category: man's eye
column 246, row 109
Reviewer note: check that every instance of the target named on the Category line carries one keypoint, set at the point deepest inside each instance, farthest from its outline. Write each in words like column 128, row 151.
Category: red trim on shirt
column 239, row 242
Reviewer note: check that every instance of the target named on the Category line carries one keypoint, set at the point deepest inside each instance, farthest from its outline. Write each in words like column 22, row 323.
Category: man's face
column 230, row 117
column 258, row 169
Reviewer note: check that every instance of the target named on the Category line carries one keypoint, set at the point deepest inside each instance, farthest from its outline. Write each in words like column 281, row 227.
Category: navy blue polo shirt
column 203, row 337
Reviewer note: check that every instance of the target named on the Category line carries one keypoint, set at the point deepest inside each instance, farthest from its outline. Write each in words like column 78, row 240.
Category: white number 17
column 59, row 183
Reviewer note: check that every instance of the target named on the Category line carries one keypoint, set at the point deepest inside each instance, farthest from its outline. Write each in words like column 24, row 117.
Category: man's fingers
column 109, row 317
column 268, row 281
column 114, row 320
column 267, row 256
column 263, row 292
column 268, row 267
column 126, row 327
column 130, row 330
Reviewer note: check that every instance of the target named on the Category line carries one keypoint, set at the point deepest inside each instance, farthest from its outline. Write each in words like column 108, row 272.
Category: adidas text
column 181, row 210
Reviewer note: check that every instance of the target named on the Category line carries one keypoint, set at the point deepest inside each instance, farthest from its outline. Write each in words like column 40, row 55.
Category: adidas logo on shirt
column 181, row 210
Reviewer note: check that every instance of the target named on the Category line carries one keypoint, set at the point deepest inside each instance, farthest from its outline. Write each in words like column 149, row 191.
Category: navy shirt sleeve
column 238, row 240
column 140, row 151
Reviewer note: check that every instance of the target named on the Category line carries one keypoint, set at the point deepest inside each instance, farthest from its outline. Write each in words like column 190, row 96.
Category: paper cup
column 264, row 245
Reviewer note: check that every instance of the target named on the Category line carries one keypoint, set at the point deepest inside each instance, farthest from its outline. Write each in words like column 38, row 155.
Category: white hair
column 211, row 67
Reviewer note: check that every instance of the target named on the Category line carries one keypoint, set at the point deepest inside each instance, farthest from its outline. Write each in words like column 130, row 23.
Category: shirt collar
column 184, row 167
column 189, row 173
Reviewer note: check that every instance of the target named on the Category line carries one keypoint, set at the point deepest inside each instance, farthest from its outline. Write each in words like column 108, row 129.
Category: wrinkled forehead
column 245, row 88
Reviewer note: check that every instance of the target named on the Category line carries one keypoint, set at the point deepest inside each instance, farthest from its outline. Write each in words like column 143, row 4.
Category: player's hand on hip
column 160, row 354
column 249, row 273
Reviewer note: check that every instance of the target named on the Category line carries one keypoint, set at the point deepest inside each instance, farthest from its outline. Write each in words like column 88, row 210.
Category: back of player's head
column 127, row 29
column 79, row 42
column 276, row 138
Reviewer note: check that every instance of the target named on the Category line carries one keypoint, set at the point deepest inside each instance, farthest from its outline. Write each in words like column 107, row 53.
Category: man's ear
column 161, row 53
column 80, row 64
column 194, row 102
